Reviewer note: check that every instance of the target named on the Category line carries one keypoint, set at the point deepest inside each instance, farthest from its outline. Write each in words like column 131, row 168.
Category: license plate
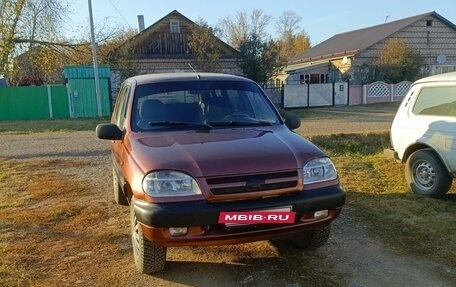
column 279, row 215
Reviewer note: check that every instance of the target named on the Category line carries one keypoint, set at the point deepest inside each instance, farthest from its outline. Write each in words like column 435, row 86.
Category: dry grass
column 56, row 231
column 378, row 192
column 48, row 228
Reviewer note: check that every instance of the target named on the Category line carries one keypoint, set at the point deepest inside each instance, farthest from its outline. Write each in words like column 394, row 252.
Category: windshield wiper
column 241, row 123
column 181, row 124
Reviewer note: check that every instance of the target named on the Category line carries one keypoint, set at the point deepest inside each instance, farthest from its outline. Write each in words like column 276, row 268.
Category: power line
column 120, row 14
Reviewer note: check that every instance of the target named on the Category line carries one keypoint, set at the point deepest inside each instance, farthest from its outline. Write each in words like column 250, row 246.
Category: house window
column 323, row 78
column 174, row 26
column 428, row 23
column 306, row 78
column 313, row 79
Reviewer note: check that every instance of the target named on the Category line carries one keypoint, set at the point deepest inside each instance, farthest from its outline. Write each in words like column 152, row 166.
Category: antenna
column 197, row 75
column 386, row 18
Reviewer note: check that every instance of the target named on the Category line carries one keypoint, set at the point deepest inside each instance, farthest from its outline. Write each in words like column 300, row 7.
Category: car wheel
column 149, row 258
column 119, row 196
column 313, row 239
column 426, row 175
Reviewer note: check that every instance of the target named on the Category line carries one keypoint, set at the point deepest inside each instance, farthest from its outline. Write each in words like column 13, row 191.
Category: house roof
column 152, row 28
column 149, row 29
column 308, row 65
column 350, row 43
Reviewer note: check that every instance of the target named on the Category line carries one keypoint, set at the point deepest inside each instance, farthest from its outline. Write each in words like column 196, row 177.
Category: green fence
column 33, row 103
column 74, row 100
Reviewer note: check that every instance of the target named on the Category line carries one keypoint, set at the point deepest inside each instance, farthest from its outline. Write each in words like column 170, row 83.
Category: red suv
column 206, row 159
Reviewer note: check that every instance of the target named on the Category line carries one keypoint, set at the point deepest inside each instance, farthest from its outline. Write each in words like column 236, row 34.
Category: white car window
column 436, row 101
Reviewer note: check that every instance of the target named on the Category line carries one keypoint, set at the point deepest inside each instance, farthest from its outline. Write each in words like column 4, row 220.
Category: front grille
column 253, row 182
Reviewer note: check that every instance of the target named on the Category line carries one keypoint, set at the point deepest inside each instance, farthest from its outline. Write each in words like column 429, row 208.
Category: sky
column 320, row 19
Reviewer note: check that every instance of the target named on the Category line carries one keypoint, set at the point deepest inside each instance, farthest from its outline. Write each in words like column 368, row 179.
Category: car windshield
column 201, row 104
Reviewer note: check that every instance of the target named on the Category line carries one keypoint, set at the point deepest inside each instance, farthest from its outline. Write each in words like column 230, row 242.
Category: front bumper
column 201, row 217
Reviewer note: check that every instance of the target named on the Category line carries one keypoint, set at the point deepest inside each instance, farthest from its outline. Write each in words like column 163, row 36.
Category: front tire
column 426, row 175
column 313, row 239
column 149, row 258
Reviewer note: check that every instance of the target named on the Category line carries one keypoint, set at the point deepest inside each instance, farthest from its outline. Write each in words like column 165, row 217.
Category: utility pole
column 95, row 62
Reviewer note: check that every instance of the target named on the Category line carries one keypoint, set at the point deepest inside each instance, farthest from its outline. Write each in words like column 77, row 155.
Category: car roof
column 446, row 77
column 167, row 77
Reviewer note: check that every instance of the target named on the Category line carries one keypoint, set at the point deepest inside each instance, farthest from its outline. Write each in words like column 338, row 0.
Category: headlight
column 169, row 183
column 319, row 170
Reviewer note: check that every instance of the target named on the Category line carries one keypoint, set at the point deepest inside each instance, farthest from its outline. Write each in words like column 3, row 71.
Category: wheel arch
column 413, row 148
column 421, row 146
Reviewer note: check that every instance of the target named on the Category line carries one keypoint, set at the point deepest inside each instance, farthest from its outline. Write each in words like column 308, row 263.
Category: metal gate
column 81, row 91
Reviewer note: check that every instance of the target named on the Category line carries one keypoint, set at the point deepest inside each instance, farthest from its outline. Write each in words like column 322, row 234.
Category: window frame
column 418, row 102
column 174, row 26
column 120, row 108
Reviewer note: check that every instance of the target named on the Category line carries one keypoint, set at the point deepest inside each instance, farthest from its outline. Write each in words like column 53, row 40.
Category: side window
column 436, row 101
column 119, row 99
column 120, row 108
column 123, row 107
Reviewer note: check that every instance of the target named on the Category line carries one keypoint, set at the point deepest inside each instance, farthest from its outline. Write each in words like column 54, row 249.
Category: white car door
column 433, row 116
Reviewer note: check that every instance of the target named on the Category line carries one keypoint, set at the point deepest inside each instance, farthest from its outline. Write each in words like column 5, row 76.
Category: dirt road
column 352, row 257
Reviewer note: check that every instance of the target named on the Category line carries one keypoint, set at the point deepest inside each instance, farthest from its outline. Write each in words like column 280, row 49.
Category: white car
column 423, row 135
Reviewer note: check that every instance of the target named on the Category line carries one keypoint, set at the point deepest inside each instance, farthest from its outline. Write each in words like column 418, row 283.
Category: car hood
column 222, row 152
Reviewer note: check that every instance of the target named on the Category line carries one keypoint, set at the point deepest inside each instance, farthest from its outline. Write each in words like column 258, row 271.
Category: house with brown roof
column 347, row 55
column 164, row 47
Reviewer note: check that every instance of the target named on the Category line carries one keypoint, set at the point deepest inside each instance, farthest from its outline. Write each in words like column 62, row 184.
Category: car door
column 119, row 116
column 434, row 110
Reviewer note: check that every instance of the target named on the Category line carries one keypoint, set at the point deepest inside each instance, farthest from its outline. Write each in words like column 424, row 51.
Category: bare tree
column 288, row 24
column 259, row 23
column 235, row 31
column 42, row 20
column 248, row 34
column 39, row 49
column 291, row 41
column 238, row 29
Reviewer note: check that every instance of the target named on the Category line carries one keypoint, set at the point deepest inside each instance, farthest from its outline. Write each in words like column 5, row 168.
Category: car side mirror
column 108, row 132
column 292, row 122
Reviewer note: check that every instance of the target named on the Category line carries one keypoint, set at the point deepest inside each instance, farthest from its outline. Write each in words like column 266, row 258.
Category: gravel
column 352, row 254
column 63, row 145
